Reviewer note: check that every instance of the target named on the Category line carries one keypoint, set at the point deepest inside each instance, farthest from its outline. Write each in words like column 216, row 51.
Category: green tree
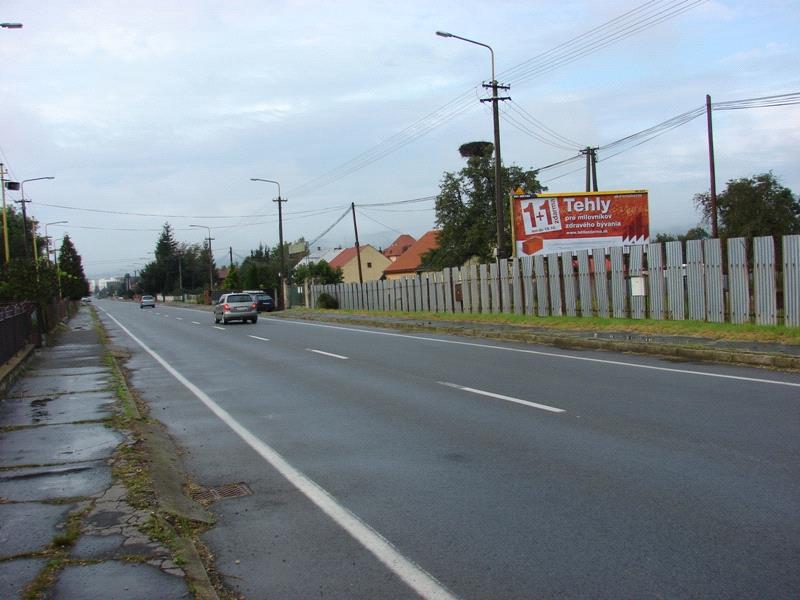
column 232, row 281
column 466, row 211
column 753, row 206
column 320, row 272
column 74, row 284
column 695, row 233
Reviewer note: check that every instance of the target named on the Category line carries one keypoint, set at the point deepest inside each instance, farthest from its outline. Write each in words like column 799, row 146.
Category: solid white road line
column 255, row 337
column 549, row 354
column 502, row 397
column 327, row 353
column 179, row 318
column 220, row 328
column 419, row 580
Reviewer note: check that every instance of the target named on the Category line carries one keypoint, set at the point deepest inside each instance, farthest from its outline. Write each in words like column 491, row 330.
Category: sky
column 167, row 109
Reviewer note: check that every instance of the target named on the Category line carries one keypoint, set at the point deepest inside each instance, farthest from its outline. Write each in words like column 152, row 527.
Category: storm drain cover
column 223, row 492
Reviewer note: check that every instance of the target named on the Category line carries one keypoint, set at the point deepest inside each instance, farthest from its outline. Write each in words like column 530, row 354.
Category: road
column 391, row 465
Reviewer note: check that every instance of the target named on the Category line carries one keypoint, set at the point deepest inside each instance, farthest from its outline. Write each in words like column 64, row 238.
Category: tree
column 754, row 206
column 321, row 272
column 695, row 233
column 466, row 211
column 232, row 281
column 74, row 284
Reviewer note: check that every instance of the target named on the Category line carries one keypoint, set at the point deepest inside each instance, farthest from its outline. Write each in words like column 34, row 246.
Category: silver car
column 146, row 301
column 233, row 307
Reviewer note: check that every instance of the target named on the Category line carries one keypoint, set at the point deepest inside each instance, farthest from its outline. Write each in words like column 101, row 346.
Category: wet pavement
column 66, row 529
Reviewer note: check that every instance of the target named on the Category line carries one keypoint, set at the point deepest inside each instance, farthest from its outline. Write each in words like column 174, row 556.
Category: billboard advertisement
column 547, row 223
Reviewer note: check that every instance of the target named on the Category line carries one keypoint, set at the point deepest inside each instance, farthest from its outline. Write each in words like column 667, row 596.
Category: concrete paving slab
column 49, row 483
column 29, row 526
column 67, row 408
column 109, row 547
column 16, row 574
column 55, row 444
column 36, row 387
column 62, row 371
column 118, row 580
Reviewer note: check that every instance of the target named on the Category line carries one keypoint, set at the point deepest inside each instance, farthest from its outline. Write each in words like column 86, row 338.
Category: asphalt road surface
column 391, row 465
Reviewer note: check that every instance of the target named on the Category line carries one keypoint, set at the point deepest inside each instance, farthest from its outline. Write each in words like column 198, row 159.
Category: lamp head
column 444, row 34
column 11, row 25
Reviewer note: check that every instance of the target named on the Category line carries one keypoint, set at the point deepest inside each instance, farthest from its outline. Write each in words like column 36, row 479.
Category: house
column 372, row 264
column 407, row 264
column 320, row 254
column 398, row 247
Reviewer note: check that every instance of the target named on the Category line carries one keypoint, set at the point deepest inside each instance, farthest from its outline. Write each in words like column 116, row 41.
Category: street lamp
column 23, row 202
column 284, row 268
column 210, row 261
column 498, row 177
column 47, row 238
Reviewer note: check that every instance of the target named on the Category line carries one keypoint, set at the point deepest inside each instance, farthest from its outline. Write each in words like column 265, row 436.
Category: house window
column 369, row 265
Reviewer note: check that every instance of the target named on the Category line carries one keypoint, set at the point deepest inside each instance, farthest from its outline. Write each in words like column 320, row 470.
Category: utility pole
column 358, row 249
column 230, row 256
column 23, row 202
column 500, row 205
column 284, row 267
column 5, row 217
column 712, row 170
column 591, row 168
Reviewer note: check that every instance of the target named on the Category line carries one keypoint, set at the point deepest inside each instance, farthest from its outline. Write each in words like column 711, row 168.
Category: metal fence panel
column 600, row 281
column 568, row 284
column 554, row 277
column 638, row 299
column 494, row 284
column 542, row 299
column 527, row 280
column 738, row 280
column 474, row 294
column 655, row 280
column 676, row 301
column 505, row 294
column 764, row 299
column 585, row 284
column 791, row 280
column 484, row 285
column 618, row 291
column 715, row 296
column 516, row 286
column 695, row 280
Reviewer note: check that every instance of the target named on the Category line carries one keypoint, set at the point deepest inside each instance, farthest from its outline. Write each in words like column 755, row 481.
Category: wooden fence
column 740, row 283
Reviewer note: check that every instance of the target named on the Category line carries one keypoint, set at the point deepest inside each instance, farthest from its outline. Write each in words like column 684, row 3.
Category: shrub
column 327, row 301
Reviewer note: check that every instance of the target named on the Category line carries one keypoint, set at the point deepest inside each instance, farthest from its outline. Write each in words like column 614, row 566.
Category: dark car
column 264, row 302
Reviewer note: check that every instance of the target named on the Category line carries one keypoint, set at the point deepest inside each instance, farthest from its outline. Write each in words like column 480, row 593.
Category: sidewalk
column 66, row 528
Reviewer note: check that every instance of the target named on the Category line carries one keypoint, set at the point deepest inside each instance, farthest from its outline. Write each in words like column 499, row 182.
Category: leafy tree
column 16, row 239
column 74, row 284
column 22, row 281
column 754, row 206
column 466, row 211
column 321, row 272
column 695, row 233
column 232, row 281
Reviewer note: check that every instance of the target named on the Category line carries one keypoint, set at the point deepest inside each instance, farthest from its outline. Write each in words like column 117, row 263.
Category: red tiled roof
column 346, row 255
column 399, row 246
column 410, row 259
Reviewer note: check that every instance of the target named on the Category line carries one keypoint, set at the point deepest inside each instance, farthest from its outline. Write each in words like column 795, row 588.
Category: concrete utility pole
column 210, row 262
column 711, row 168
column 358, row 248
column 591, row 168
column 284, row 267
column 500, row 205
column 5, row 217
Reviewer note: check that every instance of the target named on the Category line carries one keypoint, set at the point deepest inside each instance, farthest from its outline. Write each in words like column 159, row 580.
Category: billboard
column 547, row 223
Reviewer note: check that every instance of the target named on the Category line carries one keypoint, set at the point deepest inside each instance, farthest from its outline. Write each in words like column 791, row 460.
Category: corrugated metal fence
column 740, row 283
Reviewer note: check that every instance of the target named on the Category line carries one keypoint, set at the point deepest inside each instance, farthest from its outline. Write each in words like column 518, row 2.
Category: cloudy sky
column 166, row 109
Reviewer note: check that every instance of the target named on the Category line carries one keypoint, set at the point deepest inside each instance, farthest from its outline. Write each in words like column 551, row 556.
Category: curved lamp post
column 24, row 215
column 47, row 238
column 284, row 268
column 498, row 176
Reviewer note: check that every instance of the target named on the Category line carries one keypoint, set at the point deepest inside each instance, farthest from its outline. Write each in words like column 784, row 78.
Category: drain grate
column 223, row 492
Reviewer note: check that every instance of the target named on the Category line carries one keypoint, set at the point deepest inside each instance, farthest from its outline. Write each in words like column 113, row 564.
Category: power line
column 645, row 16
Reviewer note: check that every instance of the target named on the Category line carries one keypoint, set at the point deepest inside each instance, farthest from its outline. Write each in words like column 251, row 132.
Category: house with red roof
column 407, row 264
column 372, row 263
column 398, row 247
